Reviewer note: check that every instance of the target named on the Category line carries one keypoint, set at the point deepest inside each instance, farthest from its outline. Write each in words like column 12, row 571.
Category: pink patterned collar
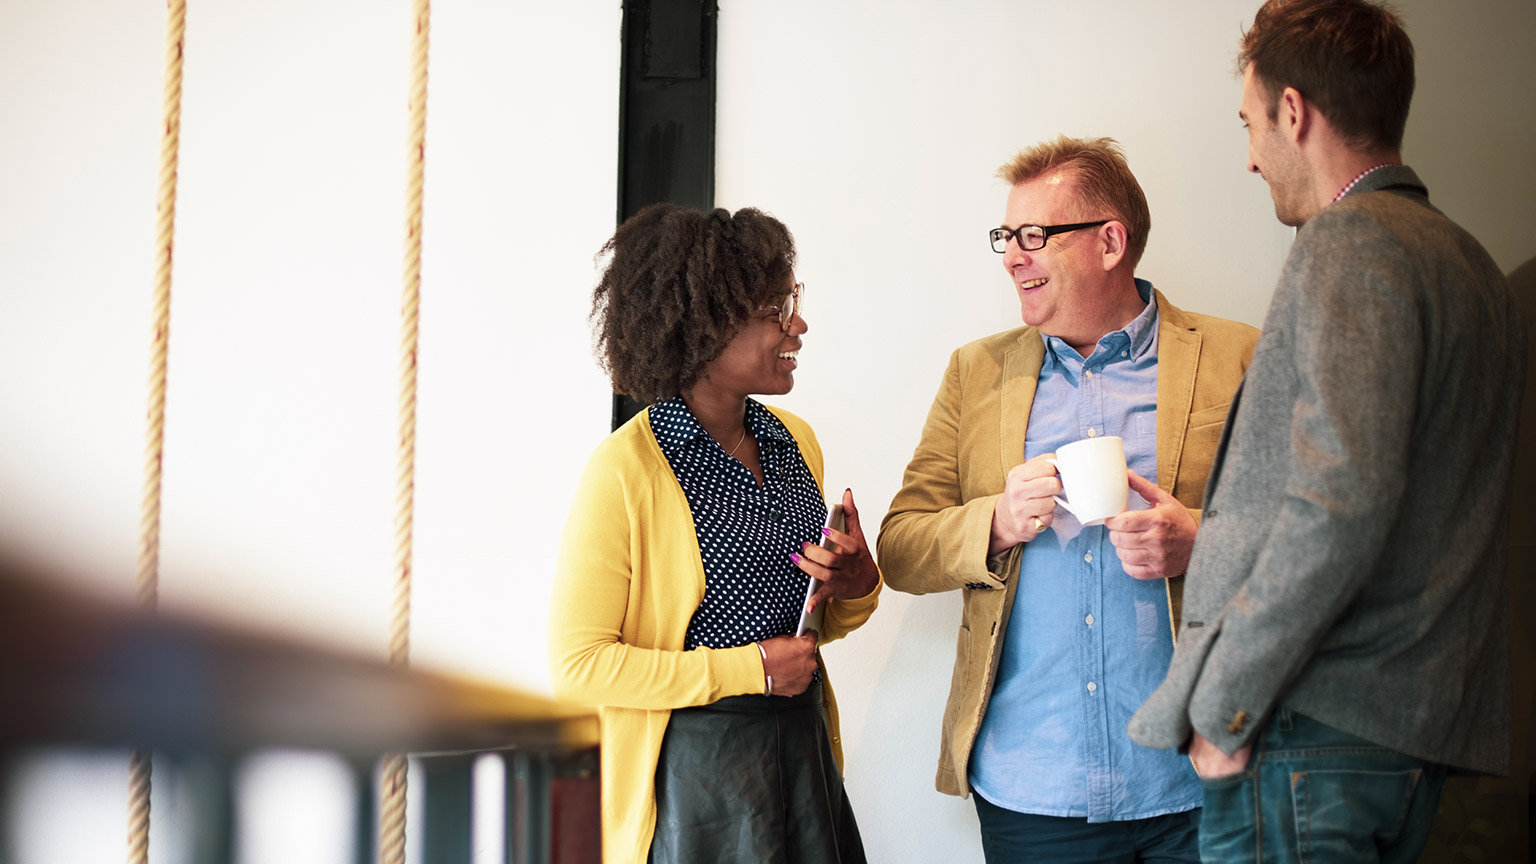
column 1361, row 176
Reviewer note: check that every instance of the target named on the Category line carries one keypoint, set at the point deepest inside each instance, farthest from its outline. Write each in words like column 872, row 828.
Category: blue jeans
column 1314, row 794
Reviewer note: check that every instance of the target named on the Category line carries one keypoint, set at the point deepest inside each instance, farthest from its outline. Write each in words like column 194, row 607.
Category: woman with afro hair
column 685, row 561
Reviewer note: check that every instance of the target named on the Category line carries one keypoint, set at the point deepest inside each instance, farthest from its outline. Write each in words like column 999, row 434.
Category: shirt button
column 1088, row 557
column 1125, row 353
column 1089, row 373
column 1092, row 687
column 1088, row 620
column 1092, row 432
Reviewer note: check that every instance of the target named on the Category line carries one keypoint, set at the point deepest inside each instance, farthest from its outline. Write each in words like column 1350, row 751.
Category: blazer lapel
column 1021, row 375
column 1178, row 358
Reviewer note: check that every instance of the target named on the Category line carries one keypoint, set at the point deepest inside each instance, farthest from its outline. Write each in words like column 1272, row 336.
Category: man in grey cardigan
column 1345, row 639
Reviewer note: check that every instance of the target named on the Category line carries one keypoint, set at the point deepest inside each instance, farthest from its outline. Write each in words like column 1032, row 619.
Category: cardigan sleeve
column 618, row 602
column 845, row 616
column 842, row 616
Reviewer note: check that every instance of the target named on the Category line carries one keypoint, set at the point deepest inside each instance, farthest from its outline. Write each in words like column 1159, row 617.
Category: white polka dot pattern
column 745, row 532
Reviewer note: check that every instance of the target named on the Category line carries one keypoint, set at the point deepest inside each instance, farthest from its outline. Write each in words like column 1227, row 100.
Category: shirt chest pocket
column 1145, row 424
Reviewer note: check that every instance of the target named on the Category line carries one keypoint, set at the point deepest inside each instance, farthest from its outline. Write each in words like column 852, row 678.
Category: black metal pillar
column 666, row 114
column 529, row 808
column 8, row 762
column 207, row 783
column 449, row 817
column 365, row 809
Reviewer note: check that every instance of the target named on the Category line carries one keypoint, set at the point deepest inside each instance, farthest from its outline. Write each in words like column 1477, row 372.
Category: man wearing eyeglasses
column 1067, row 628
column 1346, row 635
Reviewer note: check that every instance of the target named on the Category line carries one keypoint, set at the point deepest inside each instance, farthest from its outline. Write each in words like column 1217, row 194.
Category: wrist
column 998, row 543
column 767, row 679
column 995, row 536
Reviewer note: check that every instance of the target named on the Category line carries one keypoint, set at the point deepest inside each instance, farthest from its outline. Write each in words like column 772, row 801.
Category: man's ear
column 1295, row 115
column 1112, row 240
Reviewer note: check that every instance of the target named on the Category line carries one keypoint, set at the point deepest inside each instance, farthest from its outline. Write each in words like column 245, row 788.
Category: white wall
column 280, row 438
column 872, row 129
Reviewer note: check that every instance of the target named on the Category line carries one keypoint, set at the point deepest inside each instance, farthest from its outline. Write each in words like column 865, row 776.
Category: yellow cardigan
column 628, row 580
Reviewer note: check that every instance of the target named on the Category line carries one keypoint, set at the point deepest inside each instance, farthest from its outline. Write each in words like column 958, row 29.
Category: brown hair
column 1351, row 58
column 677, row 287
column 1104, row 181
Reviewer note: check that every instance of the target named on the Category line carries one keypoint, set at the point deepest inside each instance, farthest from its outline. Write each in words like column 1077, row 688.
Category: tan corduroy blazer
column 936, row 534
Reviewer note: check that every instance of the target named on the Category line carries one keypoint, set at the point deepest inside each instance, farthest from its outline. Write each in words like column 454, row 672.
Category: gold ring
column 1039, row 526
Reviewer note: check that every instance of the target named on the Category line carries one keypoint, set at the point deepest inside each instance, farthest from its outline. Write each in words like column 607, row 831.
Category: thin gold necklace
column 732, row 451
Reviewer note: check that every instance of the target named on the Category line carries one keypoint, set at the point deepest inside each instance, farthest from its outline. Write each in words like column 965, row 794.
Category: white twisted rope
column 392, row 782
column 147, row 585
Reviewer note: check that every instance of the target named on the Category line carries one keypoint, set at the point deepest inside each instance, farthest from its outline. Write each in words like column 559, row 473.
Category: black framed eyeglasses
column 1033, row 237
column 787, row 308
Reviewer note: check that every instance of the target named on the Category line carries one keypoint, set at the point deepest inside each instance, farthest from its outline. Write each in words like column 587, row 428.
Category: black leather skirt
column 751, row 779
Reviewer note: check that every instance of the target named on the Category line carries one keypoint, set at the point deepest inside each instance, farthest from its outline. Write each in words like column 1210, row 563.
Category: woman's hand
column 846, row 571
column 789, row 661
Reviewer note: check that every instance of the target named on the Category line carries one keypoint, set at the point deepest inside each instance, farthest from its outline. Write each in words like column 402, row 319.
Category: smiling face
column 1273, row 156
column 760, row 359
column 1062, row 287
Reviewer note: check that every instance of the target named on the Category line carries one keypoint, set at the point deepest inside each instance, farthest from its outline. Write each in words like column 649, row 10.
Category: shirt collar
column 1143, row 328
column 1358, row 177
column 676, row 428
column 1138, row 334
column 1390, row 177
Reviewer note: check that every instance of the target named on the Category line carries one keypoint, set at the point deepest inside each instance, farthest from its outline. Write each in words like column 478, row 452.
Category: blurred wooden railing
column 79, row 672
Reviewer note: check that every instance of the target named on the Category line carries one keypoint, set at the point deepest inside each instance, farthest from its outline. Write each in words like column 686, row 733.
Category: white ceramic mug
column 1093, row 476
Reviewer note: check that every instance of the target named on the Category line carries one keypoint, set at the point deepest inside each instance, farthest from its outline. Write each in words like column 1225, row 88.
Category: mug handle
column 1065, row 506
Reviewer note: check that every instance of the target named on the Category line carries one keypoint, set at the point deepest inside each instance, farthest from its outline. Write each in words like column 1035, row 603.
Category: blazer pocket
column 1201, row 440
column 1215, row 416
column 959, row 680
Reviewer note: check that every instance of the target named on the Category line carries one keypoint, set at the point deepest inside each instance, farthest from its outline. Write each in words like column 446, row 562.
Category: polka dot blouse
column 752, row 591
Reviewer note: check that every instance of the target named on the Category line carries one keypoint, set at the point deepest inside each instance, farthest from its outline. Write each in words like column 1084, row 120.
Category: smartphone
column 812, row 621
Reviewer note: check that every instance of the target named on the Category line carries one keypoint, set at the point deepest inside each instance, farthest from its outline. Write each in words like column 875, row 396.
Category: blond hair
column 1104, row 182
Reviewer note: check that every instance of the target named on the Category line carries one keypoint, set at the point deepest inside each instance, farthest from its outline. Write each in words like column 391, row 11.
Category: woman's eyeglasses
column 787, row 308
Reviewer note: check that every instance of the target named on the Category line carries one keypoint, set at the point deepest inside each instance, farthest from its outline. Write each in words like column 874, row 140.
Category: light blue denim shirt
column 1086, row 644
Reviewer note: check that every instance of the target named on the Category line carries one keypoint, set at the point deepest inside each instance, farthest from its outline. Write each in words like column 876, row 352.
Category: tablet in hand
column 812, row 621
